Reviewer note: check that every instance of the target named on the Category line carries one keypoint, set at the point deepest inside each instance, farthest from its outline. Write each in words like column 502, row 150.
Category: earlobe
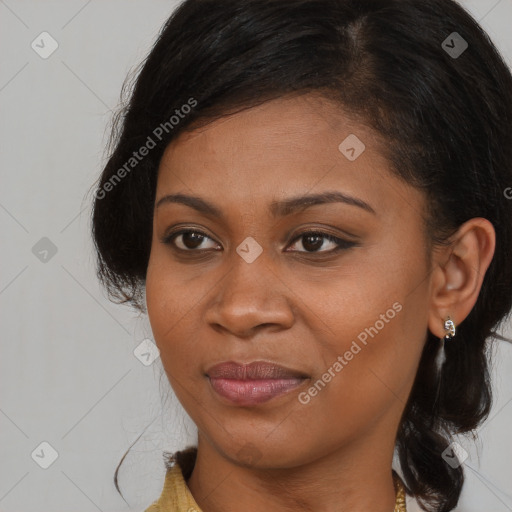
column 459, row 272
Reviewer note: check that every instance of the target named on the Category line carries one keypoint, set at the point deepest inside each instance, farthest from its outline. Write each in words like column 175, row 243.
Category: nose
column 250, row 297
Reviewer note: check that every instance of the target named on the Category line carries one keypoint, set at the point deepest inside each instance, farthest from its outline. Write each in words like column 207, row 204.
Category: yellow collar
column 176, row 495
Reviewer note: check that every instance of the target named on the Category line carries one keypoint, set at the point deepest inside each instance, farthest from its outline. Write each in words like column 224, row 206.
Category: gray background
column 68, row 373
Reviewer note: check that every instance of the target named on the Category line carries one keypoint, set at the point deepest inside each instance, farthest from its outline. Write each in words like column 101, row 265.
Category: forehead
column 282, row 148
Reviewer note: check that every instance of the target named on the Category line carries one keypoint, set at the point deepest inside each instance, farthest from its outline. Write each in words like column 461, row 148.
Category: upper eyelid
column 350, row 237
column 181, row 231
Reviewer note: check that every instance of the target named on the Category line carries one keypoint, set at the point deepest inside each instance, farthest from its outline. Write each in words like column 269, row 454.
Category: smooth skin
column 298, row 304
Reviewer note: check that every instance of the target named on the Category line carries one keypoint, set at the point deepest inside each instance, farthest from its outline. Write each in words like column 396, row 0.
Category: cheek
column 168, row 295
column 157, row 295
column 173, row 305
column 367, row 369
column 170, row 307
column 166, row 300
column 375, row 321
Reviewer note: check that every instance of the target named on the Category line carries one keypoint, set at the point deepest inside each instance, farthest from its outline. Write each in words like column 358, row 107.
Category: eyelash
column 341, row 243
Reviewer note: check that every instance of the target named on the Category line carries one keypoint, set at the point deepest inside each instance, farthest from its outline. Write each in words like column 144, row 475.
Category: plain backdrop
column 75, row 389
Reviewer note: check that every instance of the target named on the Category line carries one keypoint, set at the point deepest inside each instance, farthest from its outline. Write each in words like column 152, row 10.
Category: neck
column 352, row 479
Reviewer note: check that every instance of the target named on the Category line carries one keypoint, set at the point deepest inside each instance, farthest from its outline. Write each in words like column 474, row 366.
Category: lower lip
column 252, row 392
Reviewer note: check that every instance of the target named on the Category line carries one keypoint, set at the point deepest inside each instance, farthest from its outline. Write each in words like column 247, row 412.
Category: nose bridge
column 250, row 294
column 250, row 264
column 250, row 281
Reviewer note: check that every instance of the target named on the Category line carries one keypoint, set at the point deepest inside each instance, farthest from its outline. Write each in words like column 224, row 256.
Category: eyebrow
column 277, row 208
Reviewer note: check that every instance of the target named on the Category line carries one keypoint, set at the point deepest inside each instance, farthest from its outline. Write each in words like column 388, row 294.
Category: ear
column 458, row 273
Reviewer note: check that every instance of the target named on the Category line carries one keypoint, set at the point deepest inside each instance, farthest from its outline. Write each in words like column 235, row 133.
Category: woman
column 308, row 198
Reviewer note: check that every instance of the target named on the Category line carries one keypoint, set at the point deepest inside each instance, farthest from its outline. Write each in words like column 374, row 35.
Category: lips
column 253, row 371
column 254, row 383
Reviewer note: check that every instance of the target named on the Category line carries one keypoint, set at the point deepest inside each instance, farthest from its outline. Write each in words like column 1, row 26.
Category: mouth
column 254, row 383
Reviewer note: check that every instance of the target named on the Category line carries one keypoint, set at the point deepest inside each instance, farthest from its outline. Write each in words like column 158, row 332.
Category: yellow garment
column 176, row 496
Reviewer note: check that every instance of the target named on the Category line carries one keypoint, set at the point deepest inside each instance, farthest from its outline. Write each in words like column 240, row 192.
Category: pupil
column 195, row 239
column 312, row 246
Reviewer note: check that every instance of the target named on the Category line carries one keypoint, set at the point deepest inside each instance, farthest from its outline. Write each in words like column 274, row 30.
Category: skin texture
column 297, row 308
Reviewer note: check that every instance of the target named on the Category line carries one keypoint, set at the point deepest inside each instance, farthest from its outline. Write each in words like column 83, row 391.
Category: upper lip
column 255, row 370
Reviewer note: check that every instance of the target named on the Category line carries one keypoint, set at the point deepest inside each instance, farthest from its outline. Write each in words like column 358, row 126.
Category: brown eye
column 312, row 241
column 187, row 240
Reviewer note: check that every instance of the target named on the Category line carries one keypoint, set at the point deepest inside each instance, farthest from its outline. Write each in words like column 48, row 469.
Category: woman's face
column 344, row 309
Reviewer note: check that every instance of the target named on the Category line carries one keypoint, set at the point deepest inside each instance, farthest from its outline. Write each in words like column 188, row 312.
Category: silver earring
column 449, row 328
